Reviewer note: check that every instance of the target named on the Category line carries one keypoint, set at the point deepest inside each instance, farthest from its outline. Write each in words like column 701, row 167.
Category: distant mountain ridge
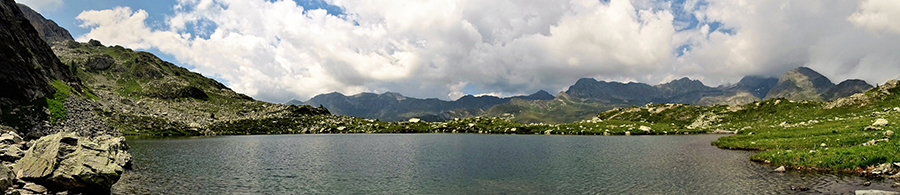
column 589, row 96
column 393, row 106
column 799, row 84
column 683, row 90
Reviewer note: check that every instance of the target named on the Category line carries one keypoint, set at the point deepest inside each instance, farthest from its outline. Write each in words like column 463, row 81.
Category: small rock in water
column 780, row 169
column 867, row 183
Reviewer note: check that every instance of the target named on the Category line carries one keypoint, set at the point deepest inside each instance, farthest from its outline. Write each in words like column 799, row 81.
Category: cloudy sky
column 281, row 50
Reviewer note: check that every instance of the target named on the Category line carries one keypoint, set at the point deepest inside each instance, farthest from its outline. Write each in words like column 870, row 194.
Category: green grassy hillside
column 838, row 135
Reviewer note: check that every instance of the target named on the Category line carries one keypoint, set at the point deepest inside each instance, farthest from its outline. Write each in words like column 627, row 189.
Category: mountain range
column 392, row 106
column 589, row 96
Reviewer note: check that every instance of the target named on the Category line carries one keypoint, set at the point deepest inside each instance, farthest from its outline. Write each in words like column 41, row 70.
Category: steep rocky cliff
column 27, row 64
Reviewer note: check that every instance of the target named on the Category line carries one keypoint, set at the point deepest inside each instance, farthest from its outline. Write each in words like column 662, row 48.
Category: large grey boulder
column 66, row 161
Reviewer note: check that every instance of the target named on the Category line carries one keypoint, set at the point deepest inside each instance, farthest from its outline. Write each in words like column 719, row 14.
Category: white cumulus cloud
column 768, row 37
column 878, row 15
column 278, row 50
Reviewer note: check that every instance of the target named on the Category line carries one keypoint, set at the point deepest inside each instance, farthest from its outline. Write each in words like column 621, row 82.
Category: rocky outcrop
column 47, row 29
column 99, row 62
column 67, row 161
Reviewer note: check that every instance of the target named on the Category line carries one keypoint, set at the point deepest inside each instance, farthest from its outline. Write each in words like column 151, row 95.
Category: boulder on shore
column 66, row 161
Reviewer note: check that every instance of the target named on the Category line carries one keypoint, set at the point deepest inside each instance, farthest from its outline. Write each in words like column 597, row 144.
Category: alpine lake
column 443, row 163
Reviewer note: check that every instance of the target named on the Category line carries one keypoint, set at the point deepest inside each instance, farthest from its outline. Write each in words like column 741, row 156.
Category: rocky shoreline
column 81, row 155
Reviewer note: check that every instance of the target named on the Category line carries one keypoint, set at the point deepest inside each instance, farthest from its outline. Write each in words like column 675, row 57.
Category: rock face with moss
column 66, row 161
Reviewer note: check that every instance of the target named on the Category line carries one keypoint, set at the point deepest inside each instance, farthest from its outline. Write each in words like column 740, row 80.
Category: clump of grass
column 55, row 102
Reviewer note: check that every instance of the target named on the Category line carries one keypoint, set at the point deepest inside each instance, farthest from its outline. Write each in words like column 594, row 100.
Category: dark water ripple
column 460, row 164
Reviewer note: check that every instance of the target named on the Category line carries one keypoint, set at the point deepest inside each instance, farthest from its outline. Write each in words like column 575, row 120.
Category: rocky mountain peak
column 682, row 85
column 819, row 81
column 47, row 29
column 801, row 84
column 539, row 95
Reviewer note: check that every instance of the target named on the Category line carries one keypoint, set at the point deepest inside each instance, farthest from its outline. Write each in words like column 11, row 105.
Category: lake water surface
column 459, row 164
